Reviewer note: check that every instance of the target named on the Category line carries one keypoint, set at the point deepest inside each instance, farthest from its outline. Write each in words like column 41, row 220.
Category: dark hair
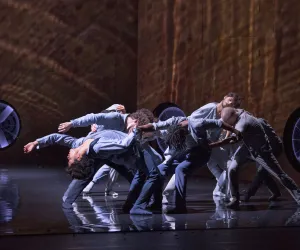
column 176, row 136
column 140, row 117
column 81, row 170
column 148, row 113
column 236, row 98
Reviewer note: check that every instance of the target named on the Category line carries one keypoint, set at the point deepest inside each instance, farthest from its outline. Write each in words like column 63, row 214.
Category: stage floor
column 30, row 204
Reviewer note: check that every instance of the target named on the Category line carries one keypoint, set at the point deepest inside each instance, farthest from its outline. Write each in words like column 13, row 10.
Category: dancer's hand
column 30, row 147
column 184, row 123
column 94, row 127
column 233, row 139
column 121, row 109
column 64, row 127
column 146, row 128
column 238, row 135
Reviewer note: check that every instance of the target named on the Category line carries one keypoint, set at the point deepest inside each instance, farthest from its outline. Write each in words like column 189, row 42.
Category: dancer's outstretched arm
column 105, row 148
column 52, row 139
column 89, row 119
column 162, row 125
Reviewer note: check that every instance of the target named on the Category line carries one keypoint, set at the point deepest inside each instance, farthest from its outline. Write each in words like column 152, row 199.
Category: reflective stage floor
column 30, row 204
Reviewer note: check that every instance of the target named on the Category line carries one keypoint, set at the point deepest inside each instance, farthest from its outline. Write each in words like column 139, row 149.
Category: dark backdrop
column 193, row 52
column 63, row 59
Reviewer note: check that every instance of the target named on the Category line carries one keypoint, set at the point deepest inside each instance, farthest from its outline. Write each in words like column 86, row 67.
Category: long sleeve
column 207, row 111
column 60, row 139
column 104, row 148
column 205, row 123
column 112, row 120
column 171, row 121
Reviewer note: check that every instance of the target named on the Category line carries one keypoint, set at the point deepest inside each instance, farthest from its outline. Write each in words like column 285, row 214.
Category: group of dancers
column 118, row 144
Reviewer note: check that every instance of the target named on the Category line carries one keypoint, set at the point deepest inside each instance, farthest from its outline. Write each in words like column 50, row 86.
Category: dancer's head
column 229, row 115
column 176, row 137
column 79, row 167
column 231, row 100
column 136, row 119
column 74, row 156
column 148, row 113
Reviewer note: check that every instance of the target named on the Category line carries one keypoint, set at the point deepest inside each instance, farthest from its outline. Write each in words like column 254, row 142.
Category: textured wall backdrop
column 194, row 51
column 61, row 59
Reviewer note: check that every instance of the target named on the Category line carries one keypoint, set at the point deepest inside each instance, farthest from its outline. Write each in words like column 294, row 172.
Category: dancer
column 192, row 149
column 255, row 146
column 121, row 122
column 133, row 154
column 72, row 142
column 219, row 155
column 77, row 185
column 262, row 176
column 105, row 170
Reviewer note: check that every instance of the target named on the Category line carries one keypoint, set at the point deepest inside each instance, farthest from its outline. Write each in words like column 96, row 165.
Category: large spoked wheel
column 165, row 115
column 161, row 107
column 291, row 139
column 10, row 125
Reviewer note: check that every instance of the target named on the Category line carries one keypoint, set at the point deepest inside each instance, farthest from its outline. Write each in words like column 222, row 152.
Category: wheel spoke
column 5, row 113
column 3, row 141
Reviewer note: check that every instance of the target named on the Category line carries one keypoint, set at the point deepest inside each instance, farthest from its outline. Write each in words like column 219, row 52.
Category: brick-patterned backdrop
column 194, row 51
column 60, row 59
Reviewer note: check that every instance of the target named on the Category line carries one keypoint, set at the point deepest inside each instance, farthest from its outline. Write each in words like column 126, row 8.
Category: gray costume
column 256, row 147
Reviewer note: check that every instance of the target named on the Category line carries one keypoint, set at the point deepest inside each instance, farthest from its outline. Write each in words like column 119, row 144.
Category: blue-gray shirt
column 72, row 142
column 197, row 128
column 113, row 121
column 208, row 111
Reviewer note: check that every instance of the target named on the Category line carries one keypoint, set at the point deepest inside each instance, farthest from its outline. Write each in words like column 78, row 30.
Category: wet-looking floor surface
column 30, row 203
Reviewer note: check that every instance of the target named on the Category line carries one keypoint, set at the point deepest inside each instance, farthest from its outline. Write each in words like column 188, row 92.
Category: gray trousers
column 104, row 171
column 260, row 152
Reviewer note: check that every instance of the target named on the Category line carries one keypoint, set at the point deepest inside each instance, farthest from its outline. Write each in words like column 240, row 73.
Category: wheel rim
column 10, row 125
column 296, row 140
column 165, row 115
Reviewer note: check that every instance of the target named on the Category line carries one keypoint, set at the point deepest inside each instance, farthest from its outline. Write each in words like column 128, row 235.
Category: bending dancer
column 255, row 146
column 219, row 155
column 76, row 185
column 129, row 153
column 262, row 176
column 105, row 169
column 124, row 123
column 72, row 142
column 189, row 139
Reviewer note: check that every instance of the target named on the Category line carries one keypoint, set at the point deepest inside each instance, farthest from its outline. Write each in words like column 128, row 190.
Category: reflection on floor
column 30, row 203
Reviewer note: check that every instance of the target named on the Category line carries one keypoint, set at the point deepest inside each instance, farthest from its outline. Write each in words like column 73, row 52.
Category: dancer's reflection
column 75, row 221
column 227, row 217
column 174, row 222
column 169, row 222
column 106, row 217
column 142, row 222
column 9, row 197
column 294, row 220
